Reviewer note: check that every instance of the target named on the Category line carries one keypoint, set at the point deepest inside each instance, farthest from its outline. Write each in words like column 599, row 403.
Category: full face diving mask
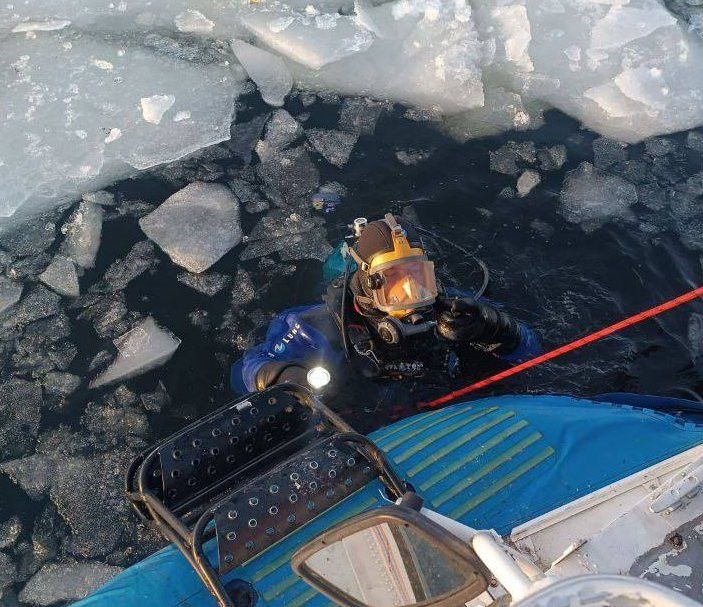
column 400, row 280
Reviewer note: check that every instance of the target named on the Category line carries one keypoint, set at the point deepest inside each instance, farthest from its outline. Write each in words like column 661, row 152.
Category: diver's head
column 394, row 273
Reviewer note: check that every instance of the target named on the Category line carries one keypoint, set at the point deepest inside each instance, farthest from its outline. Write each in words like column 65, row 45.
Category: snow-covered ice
column 142, row 349
column 196, row 226
column 268, row 71
column 61, row 276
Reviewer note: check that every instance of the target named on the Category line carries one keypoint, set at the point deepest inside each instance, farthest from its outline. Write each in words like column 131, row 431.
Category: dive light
column 318, row 378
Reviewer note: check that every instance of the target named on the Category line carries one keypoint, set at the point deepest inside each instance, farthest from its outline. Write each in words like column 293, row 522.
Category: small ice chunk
column 659, row 146
column 412, row 157
column 245, row 135
column 142, row 349
column 591, row 198
column 334, row 146
column 243, row 290
column 607, row 152
column 154, row 107
column 252, row 199
column 289, row 176
column 193, row 22
column 281, row 130
column 61, row 384
column 196, row 226
column 115, row 420
column 66, row 582
column 37, row 304
column 207, row 284
column 140, row 258
column 360, row 115
column 155, row 401
column 9, row 532
column 20, row 414
column 83, row 231
column 510, row 157
column 527, row 182
column 33, row 474
column 268, row 71
column 61, row 276
column 552, row 158
column 113, row 135
column 10, row 293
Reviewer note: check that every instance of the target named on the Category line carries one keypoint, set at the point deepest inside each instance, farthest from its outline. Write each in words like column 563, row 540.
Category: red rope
column 574, row 345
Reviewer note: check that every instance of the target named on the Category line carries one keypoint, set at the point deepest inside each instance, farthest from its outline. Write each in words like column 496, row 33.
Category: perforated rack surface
column 267, row 510
column 250, row 474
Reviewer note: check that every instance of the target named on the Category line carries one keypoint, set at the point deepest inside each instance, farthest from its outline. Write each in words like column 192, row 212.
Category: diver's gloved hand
column 472, row 322
column 280, row 372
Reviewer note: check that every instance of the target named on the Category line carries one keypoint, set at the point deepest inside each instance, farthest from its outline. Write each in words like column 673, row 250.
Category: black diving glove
column 280, row 372
column 466, row 321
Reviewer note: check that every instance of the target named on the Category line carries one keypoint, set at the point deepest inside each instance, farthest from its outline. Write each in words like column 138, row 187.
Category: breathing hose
column 451, row 243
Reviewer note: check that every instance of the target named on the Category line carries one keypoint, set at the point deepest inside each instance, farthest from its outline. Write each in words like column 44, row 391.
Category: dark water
column 546, row 271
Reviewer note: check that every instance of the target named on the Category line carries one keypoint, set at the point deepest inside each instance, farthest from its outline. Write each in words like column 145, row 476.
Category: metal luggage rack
column 250, row 474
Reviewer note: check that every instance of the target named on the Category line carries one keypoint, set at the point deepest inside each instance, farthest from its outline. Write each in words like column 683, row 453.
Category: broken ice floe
column 83, row 231
column 528, row 181
column 590, row 197
column 291, row 235
column 141, row 258
column 61, row 277
column 33, row 474
column 207, row 284
column 196, row 226
column 87, row 110
column 9, row 532
column 10, row 293
column 20, row 414
column 268, row 71
column 334, row 146
column 142, row 349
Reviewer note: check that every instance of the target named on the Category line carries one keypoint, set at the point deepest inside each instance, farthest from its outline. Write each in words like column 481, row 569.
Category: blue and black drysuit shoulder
column 307, row 336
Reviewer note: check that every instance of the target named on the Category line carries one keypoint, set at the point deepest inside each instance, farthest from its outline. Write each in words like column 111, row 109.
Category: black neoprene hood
column 377, row 238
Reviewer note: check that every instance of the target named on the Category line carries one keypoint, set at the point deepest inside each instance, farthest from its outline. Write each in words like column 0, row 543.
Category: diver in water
column 389, row 320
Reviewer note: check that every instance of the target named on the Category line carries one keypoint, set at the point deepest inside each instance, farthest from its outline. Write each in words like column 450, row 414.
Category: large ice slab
column 196, row 226
column 80, row 112
column 142, row 349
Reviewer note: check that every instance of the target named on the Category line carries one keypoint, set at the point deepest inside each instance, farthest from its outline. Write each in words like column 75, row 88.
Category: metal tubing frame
column 151, row 509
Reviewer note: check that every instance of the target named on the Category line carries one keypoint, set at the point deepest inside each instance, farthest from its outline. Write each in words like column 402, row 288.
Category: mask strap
column 357, row 258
